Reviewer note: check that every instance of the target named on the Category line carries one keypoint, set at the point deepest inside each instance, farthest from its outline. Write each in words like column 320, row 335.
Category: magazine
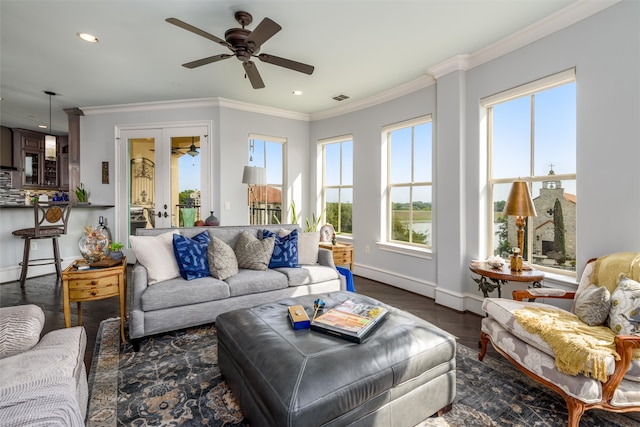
column 350, row 320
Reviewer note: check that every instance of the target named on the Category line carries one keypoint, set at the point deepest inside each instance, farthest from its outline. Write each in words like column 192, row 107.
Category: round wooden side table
column 493, row 278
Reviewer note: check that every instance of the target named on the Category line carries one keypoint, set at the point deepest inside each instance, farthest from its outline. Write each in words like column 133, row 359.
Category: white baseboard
column 12, row 274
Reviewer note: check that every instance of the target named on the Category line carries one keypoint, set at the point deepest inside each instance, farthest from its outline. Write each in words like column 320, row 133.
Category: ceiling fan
column 245, row 44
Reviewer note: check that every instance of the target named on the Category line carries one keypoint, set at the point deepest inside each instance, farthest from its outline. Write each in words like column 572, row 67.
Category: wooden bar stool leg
column 56, row 257
column 25, row 260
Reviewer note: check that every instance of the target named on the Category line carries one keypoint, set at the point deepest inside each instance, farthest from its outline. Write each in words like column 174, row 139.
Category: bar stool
column 54, row 213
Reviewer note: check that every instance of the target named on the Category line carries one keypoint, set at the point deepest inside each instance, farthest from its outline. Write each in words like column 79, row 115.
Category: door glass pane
column 142, row 184
column 185, row 181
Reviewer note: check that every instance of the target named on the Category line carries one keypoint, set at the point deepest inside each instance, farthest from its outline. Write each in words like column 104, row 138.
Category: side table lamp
column 520, row 205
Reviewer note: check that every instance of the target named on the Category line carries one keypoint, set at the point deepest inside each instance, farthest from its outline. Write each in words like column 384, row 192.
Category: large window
column 532, row 136
column 337, row 183
column 265, row 204
column 409, row 182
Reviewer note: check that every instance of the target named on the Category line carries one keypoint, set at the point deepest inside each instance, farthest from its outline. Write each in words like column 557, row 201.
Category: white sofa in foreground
column 43, row 382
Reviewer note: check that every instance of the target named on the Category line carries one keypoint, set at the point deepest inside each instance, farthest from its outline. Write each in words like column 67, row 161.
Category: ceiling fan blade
column 263, row 32
column 253, row 74
column 197, row 31
column 286, row 63
column 205, row 61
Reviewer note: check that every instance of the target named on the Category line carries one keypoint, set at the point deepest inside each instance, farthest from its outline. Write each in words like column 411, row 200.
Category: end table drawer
column 94, row 288
column 341, row 257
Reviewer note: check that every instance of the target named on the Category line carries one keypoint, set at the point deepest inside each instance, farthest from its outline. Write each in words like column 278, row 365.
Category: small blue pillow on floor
column 191, row 255
column 285, row 251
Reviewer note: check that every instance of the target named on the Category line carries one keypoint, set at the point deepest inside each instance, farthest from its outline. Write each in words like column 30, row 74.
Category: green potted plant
column 115, row 250
column 82, row 194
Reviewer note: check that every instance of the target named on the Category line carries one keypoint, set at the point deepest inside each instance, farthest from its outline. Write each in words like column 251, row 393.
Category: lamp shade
column 519, row 202
column 254, row 175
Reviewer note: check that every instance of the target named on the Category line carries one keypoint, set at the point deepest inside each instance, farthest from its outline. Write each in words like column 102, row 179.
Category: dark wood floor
column 46, row 292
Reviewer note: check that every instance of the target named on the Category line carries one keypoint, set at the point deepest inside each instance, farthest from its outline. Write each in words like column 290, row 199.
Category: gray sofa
column 177, row 303
column 43, row 382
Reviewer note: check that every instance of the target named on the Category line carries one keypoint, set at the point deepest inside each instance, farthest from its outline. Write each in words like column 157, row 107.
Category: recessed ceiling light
column 297, row 92
column 42, row 126
column 88, row 37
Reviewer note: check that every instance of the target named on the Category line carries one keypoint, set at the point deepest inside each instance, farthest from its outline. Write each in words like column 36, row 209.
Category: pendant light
column 50, row 140
column 192, row 150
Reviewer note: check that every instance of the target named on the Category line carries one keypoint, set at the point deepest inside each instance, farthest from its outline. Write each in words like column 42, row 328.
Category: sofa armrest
column 20, row 328
column 325, row 257
column 140, row 282
column 532, row 294
column 625, row 344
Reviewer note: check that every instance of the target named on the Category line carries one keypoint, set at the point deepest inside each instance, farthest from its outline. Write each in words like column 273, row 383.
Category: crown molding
column 194, row 103
column 457, row 63
column 557, row 21
column 382, row 97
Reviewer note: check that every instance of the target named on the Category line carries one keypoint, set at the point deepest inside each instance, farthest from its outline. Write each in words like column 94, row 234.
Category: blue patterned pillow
column 285, row 250
column 191, row 255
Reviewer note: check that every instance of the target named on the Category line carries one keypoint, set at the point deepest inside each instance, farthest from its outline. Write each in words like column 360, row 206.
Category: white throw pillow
column 155, row 253
column 308, row 244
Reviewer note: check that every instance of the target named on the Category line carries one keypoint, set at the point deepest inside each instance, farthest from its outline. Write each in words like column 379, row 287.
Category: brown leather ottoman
column 401, row 374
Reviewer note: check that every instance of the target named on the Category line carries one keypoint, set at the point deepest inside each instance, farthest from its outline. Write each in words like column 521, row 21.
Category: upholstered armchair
column 42, row 381
column 590, row 354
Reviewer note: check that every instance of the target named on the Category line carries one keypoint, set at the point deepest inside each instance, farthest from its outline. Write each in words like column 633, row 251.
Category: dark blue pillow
column 191, row 255
column 285, row 250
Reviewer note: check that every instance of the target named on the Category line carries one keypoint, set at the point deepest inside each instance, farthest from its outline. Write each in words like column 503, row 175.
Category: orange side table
column 92, row 285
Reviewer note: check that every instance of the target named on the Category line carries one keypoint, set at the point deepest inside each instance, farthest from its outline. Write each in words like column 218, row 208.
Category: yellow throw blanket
column 608, row 269
column 579, row 348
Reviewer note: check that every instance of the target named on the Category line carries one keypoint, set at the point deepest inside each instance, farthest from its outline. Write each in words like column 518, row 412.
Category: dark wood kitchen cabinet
column 37, row 171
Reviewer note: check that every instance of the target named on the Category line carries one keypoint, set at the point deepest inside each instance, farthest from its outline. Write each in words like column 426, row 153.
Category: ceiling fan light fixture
column 88, row 37
column 193, row 152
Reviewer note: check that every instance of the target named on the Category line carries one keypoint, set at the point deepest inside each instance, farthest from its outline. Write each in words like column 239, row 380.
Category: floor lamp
column 253, row 176
column 520, row 205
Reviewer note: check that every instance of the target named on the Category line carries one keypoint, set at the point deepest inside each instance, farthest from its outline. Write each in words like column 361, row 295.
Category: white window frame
column 526, row 90
column 269, row 139
column 323, row 143
column 406, row 248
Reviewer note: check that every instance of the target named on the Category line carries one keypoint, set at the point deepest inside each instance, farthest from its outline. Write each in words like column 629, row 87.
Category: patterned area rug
column 174, row 380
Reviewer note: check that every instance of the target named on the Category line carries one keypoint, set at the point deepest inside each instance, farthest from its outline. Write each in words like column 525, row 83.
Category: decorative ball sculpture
column 94, row 245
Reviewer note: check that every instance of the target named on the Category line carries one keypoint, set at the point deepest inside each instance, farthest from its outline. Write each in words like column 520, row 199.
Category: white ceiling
column 359, row 48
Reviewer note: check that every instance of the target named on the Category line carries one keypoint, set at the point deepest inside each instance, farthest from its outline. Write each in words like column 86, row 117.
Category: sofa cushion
column 253, row 281
column 191, row 255
column 593, row 304
column 156, row 254
column 179, row 292
column 285, row 249
column 624, row 317
column 308, row 274
column 502, row 311
column 253, row 254
column 222, row 259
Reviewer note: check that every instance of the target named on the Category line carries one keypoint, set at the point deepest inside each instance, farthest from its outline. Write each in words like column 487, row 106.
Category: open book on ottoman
column 350, row 320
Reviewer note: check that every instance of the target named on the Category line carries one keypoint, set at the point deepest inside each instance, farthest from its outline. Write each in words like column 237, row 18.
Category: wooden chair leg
column 484, row 338
column 446, row 409
column 25, row 261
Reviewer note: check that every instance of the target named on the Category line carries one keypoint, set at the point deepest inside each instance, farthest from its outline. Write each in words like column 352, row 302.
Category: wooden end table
column 493, row 278
column 342, row 253
column 92, row 285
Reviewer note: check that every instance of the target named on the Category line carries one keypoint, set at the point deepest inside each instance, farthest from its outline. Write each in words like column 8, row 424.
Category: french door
column 162, row 170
